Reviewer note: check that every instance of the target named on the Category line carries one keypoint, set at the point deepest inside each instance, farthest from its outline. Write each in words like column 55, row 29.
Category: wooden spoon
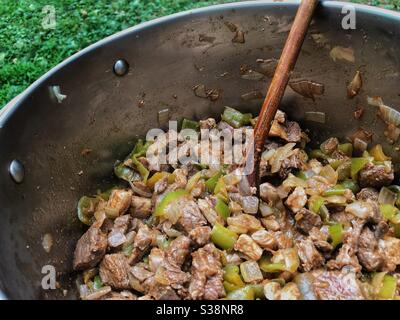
column 280, row 80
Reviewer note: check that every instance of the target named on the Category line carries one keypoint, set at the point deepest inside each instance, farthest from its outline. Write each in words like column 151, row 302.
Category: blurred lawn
column 27, row 50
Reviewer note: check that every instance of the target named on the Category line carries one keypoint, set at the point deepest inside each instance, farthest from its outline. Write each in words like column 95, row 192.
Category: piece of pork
column 376, row 176
column 116, row 237
column 200, row 235
column 142, row 207
column 114, row 271
column 337, row 285
column 309, row 256
column 306, row 220
column 207, row 274
column 91, row 247
column 369, row 253
column 191, row 216
column 120, row 200
column 178, row 250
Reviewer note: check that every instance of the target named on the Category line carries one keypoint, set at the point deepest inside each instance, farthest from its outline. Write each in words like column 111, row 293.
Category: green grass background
column 27, row 50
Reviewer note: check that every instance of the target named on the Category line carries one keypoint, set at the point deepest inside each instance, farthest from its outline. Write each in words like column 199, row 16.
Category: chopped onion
column 57, row 93
column 250, row 271
column 315, row 116
column 97, row 294
column 266, row 210
column 329, row 174
column 140, row 189
column 292, row 182
column 47, row 242
column 173, row 212
column 250, row 204
column 354, row 86
column 341, row 53
column 281, row 154
column 115, row 239
column 386, row 196
column 360, row 209
column 307, row 88
column 288, row 257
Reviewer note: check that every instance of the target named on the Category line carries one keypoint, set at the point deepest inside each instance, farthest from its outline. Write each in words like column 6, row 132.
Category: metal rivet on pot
column 17, row 171
column 121, row 67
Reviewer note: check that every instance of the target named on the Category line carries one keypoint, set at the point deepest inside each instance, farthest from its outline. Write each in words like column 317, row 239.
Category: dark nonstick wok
column 167, row 57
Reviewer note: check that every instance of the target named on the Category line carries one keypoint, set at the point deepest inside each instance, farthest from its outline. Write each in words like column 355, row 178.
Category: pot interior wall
column 167, row 59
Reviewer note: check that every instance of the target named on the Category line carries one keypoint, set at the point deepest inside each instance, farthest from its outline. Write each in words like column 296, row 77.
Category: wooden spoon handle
column 281, row 77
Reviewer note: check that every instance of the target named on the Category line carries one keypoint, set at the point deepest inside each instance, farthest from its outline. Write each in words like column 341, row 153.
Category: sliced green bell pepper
column 222, row 208
column 232, row 275
column 97, row 283
column 211, row 183
column 235, row 118
column 86, row 207
column 168, row 198
column 190, row 124
column 315, row 203
column 336, row 234
column 346, row 148
column 356, row 165
column 222, row 237
column 350, row 184
column 337, row 190
column 388, row 289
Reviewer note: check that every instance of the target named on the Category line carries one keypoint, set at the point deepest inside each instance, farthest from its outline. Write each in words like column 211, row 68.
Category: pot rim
column 7, row 111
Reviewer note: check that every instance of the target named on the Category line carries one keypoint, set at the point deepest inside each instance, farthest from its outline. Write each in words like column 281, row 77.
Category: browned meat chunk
column 320, row 240
column 207, row 209
column 309, row 256
column 369, row 254
column 250, row 249
column 178, row 250
column 296, row 161
column 207, row 274
column 120, row 200
column 368, row 194
column 265, row 239
column 293, row 131
column 191, row 216
column 337, row 285
column 329, row 145
column 91, row 248
column 142, row 207
column 297, row 199
column 144, row 238
column 391, row 247
column 123, row 295
column 375, row 176
column 306, row 220
column 116, row 237
column 160, row 279
column 345, row 258
column 200, row 235
column 114, row 271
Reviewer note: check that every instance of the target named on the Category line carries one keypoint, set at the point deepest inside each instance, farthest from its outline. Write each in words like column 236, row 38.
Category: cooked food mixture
column 324, row 225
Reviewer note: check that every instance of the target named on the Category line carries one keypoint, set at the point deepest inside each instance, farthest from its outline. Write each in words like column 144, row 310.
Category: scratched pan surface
column 167, row 57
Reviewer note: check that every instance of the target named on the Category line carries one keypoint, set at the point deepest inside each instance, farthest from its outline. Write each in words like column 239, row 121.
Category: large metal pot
column 167, row 57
